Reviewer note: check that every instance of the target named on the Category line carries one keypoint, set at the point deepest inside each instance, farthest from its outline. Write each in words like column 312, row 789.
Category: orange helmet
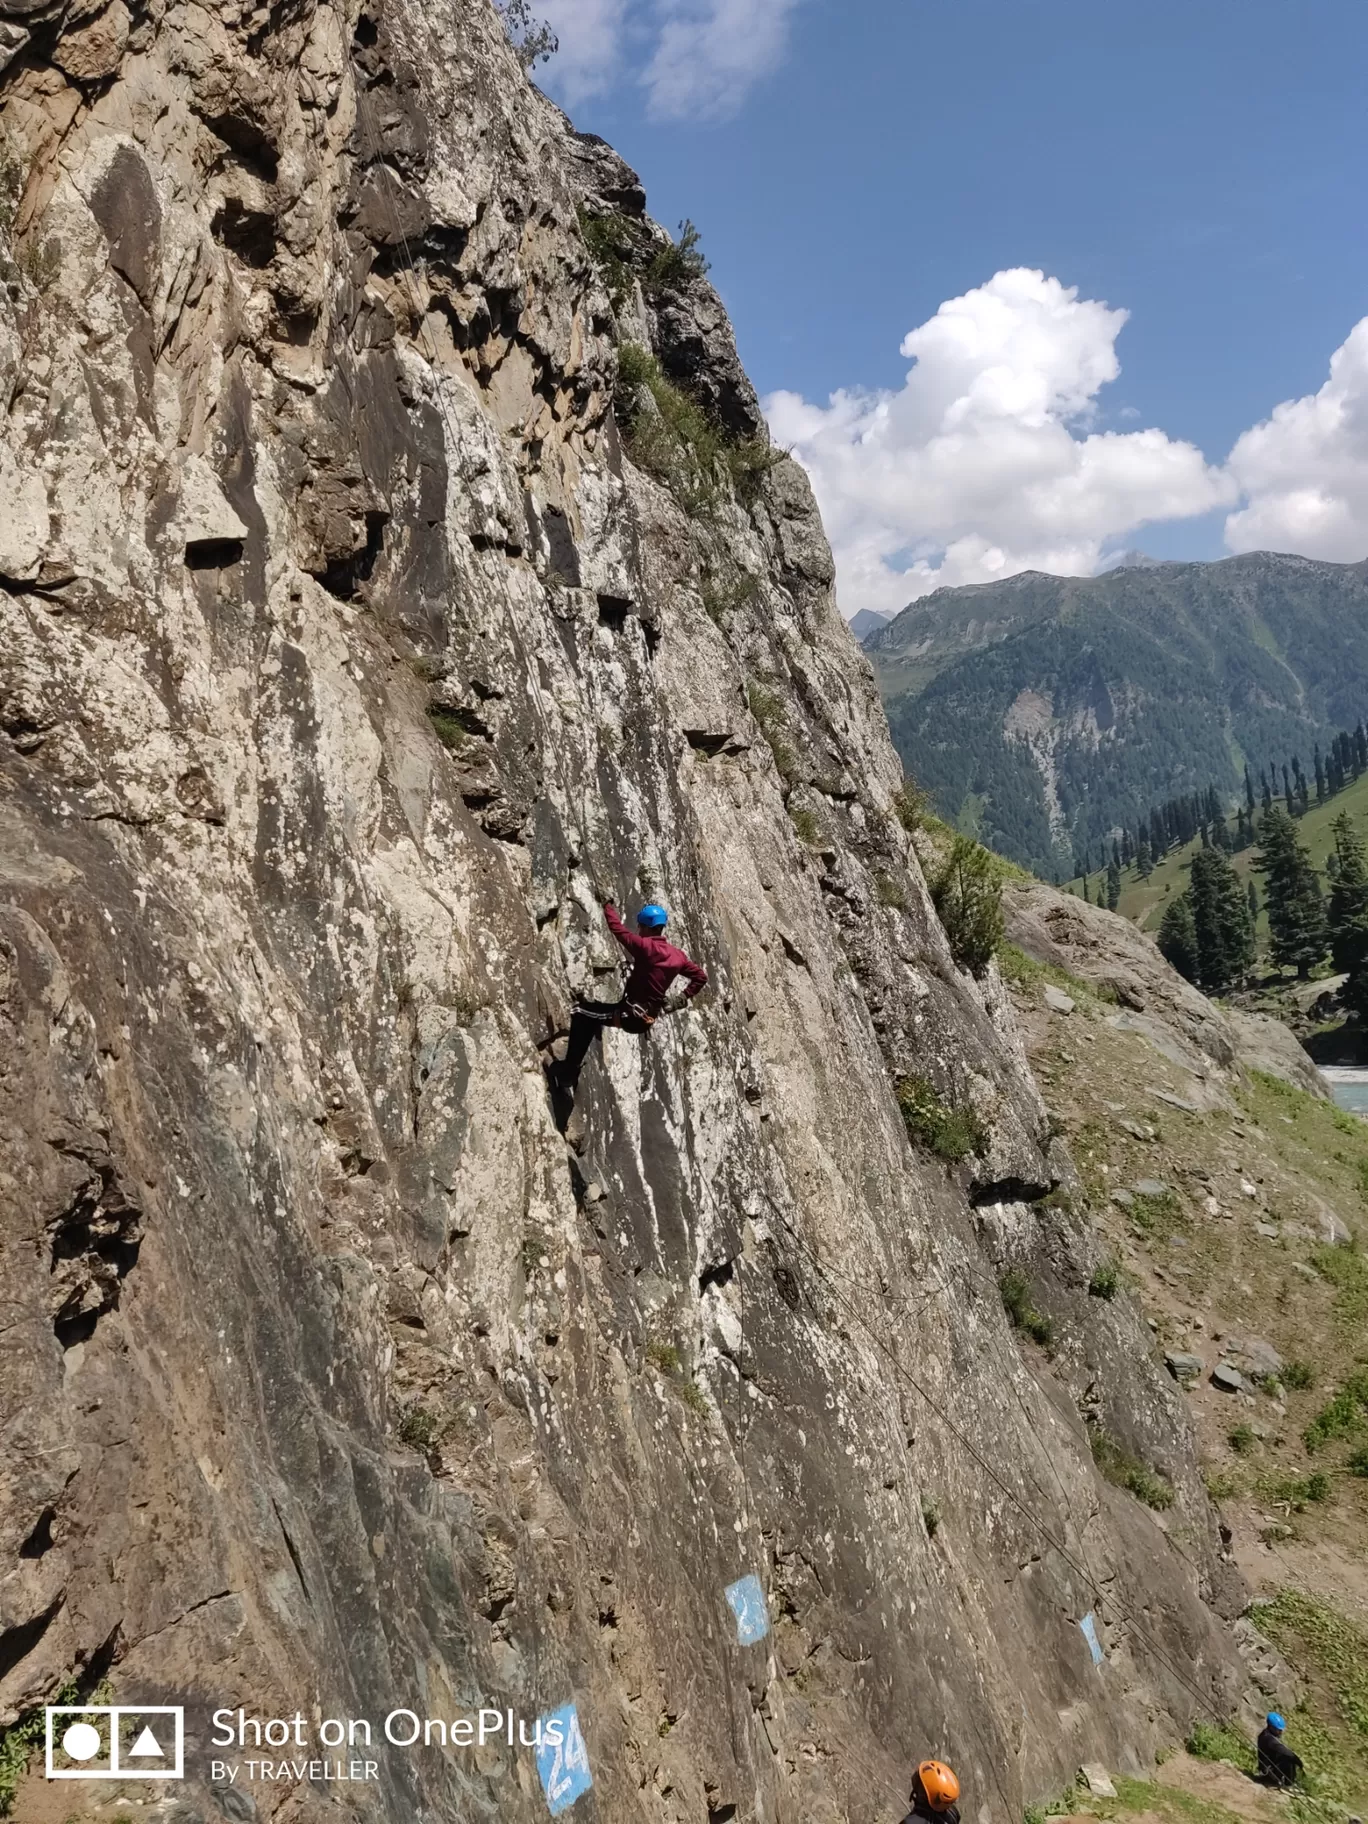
column 939, row 1784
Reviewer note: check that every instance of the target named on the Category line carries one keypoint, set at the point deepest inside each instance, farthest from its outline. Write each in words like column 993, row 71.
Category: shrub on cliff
column 967, row 894
column 950, row 1133
column 670, row 435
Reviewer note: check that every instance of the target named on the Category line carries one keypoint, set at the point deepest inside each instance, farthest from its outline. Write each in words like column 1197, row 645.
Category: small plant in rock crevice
column 694, row 1398
column 722, row 598
column 1106, row 1281
column 448, row 729
column 418, row 1428
column 1127, row 1471
column 950, row 1133
column 1018, row 1303
column 768, row 709
column 678, row 264
column 671, row 435
column 805, row 823
column 663, row 1357
column 911, row 806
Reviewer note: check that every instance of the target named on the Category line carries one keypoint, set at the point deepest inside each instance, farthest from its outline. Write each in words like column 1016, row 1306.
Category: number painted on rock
column 562, row 1759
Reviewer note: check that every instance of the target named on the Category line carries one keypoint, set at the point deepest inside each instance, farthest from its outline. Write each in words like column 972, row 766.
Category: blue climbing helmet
column 653, row 918
column 1275, row 1721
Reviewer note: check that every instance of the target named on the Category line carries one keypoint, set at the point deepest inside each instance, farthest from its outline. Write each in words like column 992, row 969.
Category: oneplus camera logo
column 115, row 1742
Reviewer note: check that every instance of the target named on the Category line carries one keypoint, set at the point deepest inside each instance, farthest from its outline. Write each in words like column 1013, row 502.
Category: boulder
column 1105, row 950
column 1184, row 1367
column 1057, row 1001
column 1228, row 1378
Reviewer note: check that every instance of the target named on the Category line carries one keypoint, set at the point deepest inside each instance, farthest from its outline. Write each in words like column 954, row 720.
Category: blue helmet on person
column 653, row 918
column 1275, row 1721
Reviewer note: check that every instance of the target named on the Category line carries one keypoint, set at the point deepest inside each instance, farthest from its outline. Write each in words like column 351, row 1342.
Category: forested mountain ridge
column 1043, row 711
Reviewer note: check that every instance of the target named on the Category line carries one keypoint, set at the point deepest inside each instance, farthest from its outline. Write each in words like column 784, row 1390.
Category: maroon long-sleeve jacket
column 655, row 964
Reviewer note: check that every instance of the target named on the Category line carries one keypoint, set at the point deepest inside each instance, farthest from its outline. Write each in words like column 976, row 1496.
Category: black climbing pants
column 590, row 1017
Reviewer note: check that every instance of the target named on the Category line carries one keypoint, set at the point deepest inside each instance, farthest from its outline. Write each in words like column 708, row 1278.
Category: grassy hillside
column 1233, row 1255
column 1143, row 901
column 1045, row 711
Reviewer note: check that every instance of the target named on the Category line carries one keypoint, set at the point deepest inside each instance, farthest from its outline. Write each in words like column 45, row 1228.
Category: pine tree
column 1252, row 895
column 1320, row 777
column 1267, row 793
column 1288, row 797
column 1296, row 916
column 1144, row 867
column 1347, row 913
column 1113, row 883
column 1360, row 751
column 1299, row 791
column 1178, row 937
column 1222, row 927
column 1249, row 791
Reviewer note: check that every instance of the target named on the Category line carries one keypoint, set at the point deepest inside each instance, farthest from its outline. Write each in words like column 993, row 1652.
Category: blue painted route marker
column 562, row 1759
column 1089, row 1627
column 748, row 1604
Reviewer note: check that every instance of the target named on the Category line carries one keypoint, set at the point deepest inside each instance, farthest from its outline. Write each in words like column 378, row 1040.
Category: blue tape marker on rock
column 1089, row 1627
column 748, row 1604
column 562, row 1759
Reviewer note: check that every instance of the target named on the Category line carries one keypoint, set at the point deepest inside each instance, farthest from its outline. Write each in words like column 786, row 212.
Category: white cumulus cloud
column 983, row 464
column 591, row 35
column 695, row 59
column 710, row 52
column 1304, row 471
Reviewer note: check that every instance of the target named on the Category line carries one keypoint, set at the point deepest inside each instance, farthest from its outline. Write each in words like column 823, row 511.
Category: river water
column 1349, row 1087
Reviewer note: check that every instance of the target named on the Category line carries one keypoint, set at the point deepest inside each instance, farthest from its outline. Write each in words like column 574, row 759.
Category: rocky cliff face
column 346, row 651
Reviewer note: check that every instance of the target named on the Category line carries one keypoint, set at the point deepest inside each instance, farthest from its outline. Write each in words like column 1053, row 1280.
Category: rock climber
column 934, row 1792
column 655, row 965
column 1278, row 1766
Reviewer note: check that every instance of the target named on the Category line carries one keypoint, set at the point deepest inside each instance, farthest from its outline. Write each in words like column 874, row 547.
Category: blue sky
column 852, row 167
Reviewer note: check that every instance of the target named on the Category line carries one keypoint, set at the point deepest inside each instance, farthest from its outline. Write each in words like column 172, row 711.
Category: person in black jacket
column 934, row 1792
column 1278, row 1766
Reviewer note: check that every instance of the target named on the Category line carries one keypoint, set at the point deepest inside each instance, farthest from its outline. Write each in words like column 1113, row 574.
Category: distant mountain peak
column 867, row 621
column 1133, row 560
column 1053, row 711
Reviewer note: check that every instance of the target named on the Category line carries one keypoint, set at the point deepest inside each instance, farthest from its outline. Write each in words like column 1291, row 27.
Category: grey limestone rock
column 1104, row 949
column 346, row 654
